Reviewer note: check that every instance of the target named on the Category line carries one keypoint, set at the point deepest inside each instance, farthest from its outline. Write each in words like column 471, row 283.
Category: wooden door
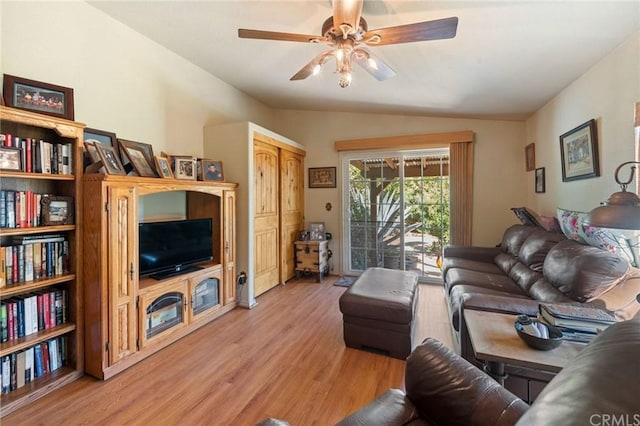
column 291, row 209
column 229, row 256
column 266, row 221
column 123, row 273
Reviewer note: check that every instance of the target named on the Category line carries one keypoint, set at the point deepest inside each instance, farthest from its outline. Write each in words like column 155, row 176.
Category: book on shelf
column 580, row 318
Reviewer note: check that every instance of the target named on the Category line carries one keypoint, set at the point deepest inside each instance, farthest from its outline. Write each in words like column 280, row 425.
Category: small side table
column 312, row 257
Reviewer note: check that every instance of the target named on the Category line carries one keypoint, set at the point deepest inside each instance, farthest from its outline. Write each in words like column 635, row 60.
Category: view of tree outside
column 399, row 212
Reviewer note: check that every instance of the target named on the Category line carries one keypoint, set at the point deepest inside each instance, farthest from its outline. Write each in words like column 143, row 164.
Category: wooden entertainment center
column 127, row 318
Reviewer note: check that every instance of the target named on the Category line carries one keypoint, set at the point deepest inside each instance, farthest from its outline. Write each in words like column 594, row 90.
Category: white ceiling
column 507, row 60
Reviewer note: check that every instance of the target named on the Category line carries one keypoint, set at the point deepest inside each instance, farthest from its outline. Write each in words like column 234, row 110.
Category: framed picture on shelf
column 10, row 159
column 146, row 148
column 57, row 210
column 103, row 137
column 540, row 188
column 579, row 152
column 210, row 170
column 110, row 160
column 316, row 231
column 530, row 156
column 38, row 96
column 141, row 163
column 184, row 168
column 322, row 177
column 163, row 167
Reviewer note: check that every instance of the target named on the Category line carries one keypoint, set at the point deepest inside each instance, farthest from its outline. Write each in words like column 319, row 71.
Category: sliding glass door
column 397, row 210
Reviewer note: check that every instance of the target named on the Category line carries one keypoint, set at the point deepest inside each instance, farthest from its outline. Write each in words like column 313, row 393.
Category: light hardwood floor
column 285, row 358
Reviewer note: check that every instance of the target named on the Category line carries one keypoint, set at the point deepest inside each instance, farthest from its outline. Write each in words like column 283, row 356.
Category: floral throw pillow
column 573, row 227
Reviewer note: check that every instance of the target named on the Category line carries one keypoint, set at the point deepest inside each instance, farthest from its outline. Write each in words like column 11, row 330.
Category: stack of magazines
column 578, row 323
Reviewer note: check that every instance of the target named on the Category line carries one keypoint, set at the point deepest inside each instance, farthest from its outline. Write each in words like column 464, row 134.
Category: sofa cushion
column 535, row 248
column 499, row 281
column 514, row 237
column 583, row 272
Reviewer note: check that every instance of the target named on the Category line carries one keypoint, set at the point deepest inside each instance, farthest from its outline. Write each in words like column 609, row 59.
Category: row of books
column 20, row 368
column 21, row 209
column 579, row 323
column 38, row 156
column 34, row 257
column 28, row 314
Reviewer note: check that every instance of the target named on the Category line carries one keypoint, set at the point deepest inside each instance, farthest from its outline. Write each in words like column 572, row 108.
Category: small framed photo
column 322, row 177
column 579, row 152
column 185, row 168
column 540, row 180
column 109, row 159
column 163, row 167
column 57, row 210
column 139, row 160
column 39, row 97
column 530, row 156
column 316, row 231
column 210, row 170
column 10, row 159
column 146, row 148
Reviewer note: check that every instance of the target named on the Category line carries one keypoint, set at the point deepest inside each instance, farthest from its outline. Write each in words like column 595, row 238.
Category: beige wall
column 498, row 171
column 607, row 93
column 123, row 82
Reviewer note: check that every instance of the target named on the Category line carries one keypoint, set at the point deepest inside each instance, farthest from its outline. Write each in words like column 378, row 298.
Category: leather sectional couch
column 530, row 266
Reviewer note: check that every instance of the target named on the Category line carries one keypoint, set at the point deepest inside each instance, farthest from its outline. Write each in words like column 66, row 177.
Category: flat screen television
column 174, row 247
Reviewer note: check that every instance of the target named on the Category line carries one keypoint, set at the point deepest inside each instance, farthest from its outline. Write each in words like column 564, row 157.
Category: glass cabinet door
column 205, row 294
column 162, row 312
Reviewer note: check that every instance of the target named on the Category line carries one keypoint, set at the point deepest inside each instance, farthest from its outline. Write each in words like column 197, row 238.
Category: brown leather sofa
column 599, row 387
column 531, row 266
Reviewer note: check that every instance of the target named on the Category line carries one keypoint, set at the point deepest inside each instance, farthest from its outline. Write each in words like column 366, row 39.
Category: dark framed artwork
column 10, row 159
column 38, row 96
column 530, row 156
column 540, row 184
column 103, row 137
column 109, row 159
column 57, row 210
column 145, row 147
column 210, row 170
column 579, row 152
column 322, row 177
column 138, row 158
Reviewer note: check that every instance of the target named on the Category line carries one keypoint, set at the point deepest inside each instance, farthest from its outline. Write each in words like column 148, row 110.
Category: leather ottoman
column 378, row 311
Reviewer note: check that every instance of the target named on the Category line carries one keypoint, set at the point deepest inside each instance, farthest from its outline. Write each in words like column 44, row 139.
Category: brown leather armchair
column 600, row 386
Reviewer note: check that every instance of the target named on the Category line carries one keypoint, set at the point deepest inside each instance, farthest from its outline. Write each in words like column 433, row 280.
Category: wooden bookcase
column 69, row 334
column 123, row 325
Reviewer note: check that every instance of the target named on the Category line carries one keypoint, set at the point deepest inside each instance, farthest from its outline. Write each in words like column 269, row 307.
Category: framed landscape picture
column 322, row 177
column 579, row 152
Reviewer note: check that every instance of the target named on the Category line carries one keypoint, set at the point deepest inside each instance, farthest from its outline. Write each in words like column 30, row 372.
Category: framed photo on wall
column 38, row 96
column 530, row 156
column 540, row 184
column 579, row 152
column 322, row 177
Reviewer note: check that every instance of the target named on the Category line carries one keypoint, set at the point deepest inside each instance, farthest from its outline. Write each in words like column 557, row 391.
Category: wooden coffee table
column 495, row 341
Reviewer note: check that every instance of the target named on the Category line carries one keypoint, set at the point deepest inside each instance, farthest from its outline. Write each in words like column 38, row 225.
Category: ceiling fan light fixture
column 316, row 69
column 345, row 79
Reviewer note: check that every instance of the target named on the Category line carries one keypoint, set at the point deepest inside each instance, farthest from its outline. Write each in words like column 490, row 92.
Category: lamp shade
column 621, row 211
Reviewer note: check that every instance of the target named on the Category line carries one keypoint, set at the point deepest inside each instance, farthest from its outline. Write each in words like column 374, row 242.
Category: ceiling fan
column 347, row 34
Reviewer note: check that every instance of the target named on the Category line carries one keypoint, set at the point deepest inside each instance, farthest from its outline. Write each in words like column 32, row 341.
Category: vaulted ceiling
column 507, row 60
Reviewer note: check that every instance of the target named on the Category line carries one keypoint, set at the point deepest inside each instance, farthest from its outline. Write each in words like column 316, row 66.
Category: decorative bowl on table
column 543, row 344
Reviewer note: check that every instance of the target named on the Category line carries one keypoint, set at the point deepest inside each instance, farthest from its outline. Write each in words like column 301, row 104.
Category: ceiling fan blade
column 347, row 12
column 421, row 31
column 308, row 69
column 273, row 35
column 374, row 65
